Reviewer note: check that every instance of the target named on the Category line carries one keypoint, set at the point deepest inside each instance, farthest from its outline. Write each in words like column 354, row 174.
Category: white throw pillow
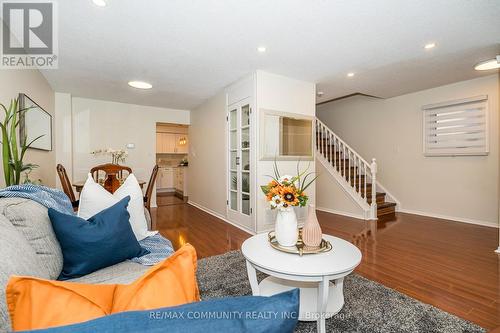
column 94, row 198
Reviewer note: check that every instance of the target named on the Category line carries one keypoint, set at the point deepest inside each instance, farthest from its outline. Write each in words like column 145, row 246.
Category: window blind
column 456, row 128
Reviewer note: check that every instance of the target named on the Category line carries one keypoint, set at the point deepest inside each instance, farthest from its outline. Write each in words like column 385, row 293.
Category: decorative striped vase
column 311, row 232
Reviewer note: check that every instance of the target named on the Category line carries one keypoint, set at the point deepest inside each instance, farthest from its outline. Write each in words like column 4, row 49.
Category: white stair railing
column 350, row 169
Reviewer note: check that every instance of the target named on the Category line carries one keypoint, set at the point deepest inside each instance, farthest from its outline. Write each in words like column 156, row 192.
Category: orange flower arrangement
column 287, row 191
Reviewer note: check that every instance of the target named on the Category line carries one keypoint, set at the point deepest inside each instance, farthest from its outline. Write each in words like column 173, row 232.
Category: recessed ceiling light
column 261, row 49
column 99, row 3
column 488, row 64
column 320, row 94
column 350, row 74
column 140, row 84
column 429, row 46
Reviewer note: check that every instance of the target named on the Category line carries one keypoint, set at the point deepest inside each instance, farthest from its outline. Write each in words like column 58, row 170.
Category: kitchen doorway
column 172, row 152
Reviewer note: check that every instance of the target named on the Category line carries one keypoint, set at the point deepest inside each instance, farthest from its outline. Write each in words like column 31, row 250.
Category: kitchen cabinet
column 165, row 180
column 171, row 143
column 159, row 142
column 165, row 143
column 180, row 181
column 181, row 144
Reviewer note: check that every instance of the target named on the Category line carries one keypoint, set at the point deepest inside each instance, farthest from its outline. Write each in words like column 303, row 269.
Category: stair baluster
column 334, row 157
column 373, row 168
column 356, row 172
column 349, row 166
column 364, row 193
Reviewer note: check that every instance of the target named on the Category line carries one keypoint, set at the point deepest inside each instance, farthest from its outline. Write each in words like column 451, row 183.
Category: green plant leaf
column 298, row 173
column 265, row 189
column 13, row 147
column 6, row 149
column 24, row 148
column 275, row 179
column 276, row 170
column 29, row 166
column 309, row 184
column 13, row 142
column 4, row 109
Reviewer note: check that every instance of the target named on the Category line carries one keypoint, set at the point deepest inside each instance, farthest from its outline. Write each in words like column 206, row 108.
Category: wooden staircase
column 342, row 165
column 359, row 175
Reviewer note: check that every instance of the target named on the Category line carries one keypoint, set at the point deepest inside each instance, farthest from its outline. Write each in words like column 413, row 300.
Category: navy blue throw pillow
column 103, row 240
column 255, row 314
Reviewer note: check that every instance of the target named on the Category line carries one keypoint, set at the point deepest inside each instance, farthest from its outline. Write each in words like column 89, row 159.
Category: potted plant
column 14, row 148
column 283, row 193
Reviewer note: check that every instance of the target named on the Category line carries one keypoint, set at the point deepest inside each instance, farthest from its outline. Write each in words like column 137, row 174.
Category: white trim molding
column 219, row 216
column 339, row 212
column 451, row 218
column 497, row 250
column 415, row 212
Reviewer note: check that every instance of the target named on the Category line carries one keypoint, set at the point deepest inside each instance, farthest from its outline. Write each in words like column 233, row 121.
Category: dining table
column 78, row 185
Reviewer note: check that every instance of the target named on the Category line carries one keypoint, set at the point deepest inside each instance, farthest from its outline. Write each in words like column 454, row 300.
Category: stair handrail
column 343, row 142
column 372, row 167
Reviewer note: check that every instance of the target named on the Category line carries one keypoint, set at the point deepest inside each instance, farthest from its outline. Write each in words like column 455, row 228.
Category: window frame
column 467, row 151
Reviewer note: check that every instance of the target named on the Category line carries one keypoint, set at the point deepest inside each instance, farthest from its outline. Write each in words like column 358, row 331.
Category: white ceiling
column 190, row 49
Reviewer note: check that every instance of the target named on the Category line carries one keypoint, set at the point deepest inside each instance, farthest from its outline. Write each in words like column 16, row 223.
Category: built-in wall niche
column 285, row 136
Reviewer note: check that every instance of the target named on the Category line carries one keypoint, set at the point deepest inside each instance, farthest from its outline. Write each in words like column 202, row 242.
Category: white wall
column 100, row 124
column 498, row 250
column 33, row 84
column 63, row 129
column 207, row 158
column 208, row 146
column 458, row 188
column 279, row 93
column 332, row 198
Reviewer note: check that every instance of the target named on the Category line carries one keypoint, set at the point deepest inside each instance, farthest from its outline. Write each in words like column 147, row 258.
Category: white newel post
column 373, row 169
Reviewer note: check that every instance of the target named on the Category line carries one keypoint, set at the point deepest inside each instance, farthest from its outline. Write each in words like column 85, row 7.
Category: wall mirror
column 36, row 122
column 285, row 136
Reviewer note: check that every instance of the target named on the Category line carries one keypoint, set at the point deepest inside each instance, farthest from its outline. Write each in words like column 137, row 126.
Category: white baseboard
column 452, row 218
column 219, row 216
column 338, row 212
column 165, row 190
column 415, row 212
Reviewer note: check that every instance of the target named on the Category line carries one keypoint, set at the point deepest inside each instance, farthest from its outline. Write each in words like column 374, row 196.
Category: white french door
column 240, row 182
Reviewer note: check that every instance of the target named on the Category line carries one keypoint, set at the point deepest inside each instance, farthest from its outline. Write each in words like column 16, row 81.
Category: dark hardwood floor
column 447, row 264
column 167, row 199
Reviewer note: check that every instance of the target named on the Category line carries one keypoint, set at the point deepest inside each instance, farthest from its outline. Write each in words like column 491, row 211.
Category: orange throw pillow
column 37, row 303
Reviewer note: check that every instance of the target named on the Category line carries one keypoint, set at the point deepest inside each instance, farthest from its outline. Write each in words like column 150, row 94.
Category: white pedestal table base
column 308, row 296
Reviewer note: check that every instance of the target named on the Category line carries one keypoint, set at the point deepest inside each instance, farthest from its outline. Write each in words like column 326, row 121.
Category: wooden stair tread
column 386, row 204
column 386, row 209
column 340, row 160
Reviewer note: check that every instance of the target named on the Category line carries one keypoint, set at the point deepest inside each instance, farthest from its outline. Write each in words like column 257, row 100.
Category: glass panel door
column 240, row 180
column 234, row 159
column 245, row 159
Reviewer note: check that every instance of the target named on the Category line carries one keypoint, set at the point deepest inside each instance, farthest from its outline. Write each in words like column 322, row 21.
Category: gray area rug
column 369, row 306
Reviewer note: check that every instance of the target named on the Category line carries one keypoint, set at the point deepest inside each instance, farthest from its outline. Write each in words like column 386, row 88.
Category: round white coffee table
column 319, row 276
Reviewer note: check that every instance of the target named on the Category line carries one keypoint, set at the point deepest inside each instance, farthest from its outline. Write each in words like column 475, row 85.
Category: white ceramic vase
column 286, row 230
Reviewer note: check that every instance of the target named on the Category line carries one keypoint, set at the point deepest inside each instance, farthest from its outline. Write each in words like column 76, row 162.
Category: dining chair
column 112, row 174
column 66, row 185
column 149, row 189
